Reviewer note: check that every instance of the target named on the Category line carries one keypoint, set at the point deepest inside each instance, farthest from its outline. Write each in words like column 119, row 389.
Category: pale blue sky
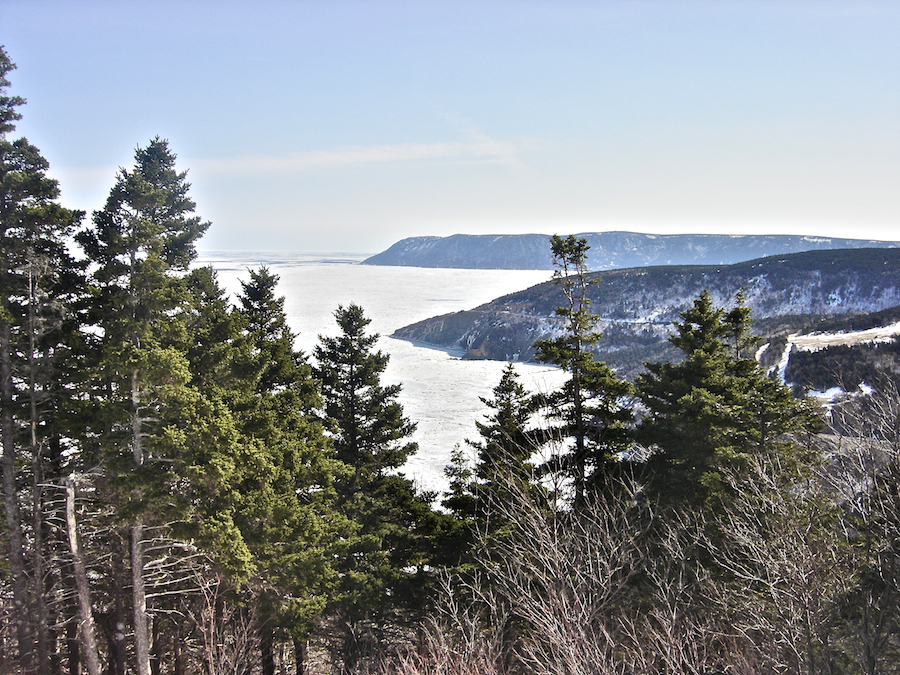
column 340, row 125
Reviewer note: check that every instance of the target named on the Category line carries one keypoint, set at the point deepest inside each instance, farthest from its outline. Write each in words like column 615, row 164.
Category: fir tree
column 716, row 407
column 394, row 527
column 592, row 408
column 38, row 278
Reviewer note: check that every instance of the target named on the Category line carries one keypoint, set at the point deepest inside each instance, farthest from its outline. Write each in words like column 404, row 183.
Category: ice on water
column 441, row 392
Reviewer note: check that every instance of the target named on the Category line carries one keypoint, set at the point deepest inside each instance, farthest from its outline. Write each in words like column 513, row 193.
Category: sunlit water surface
column 441, row 392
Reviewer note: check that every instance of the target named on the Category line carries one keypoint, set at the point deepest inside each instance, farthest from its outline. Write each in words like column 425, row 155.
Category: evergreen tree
column 271, row 337
column 503, row 456
column 286, row 506
column 369, row 430
column 460, row 500
column 394, row 527
column 716, row 407
column 156, row 433
column 38, row 278
column 592, row 407
column 507, row 441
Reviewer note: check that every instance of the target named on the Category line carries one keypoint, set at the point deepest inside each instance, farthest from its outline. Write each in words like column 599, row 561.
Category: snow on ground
column 785, row 357
column 816, row 341
column 828, row 396
column 831, row 395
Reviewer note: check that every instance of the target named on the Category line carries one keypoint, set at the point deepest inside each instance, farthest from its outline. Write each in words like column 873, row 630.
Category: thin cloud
column 481, row 149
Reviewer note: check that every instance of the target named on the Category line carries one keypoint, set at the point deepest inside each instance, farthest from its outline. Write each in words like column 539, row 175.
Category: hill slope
column 609, row 250
column 638, row 305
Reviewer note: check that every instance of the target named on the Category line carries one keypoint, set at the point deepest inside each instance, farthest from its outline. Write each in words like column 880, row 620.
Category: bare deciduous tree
column 866, row 481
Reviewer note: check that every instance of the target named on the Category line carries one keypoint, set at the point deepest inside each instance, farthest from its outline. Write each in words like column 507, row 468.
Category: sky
column 347, row 125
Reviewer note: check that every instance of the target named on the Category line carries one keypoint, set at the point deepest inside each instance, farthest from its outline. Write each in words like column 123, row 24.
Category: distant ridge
column 609, row 250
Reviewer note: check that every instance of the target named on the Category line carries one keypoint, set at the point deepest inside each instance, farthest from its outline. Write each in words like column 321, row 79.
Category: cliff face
column 609, row 250
column 637, row 306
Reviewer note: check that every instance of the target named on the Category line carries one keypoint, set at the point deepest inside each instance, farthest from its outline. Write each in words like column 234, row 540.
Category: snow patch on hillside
column 830, row 396
column 817, row 341
column 785, row 357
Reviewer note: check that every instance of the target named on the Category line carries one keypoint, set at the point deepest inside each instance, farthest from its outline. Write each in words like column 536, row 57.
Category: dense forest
column 185, row 492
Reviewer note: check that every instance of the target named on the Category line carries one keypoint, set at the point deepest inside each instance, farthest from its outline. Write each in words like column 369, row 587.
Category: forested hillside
column 185, row 492
column 636, row 306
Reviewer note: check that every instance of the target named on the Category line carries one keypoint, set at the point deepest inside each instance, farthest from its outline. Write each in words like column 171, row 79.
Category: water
column 440, row 391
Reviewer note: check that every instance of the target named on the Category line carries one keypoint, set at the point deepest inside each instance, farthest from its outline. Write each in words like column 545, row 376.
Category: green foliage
column 507, row 442
column 592, row 408
column 369, row 431
column 845, row 366
column 280, row 366
column 42, row 284
column 39, row 282
column 480, row 495
column 141, row 244
column 715, row 408
column 8, row 104
column 284, row 489
column 393, row 540
column 200, row 422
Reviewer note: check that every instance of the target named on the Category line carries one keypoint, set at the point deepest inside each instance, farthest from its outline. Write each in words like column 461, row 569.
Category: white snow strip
column 830, row 396
column 822, row 340
column 827, row 396
column 785, row 357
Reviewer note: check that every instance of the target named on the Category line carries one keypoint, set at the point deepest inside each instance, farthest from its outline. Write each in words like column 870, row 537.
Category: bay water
column 440, row 391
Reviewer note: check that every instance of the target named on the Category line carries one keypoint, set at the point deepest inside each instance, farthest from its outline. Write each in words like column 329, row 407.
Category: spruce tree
column 383, row 564
column 503, row 455
column 151, row 424
column 716, row 407
column 39, row 280
column 507, row 441
column 369, row 430
column 592, row 408
column 285, row 509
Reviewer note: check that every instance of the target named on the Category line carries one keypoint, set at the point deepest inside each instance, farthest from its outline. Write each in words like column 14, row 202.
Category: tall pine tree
column 394, row 526
column 38, row 278
column 592, row 408
column 149, row 420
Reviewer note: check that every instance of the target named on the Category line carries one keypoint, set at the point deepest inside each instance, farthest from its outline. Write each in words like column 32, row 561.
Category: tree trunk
column 72, row 656
column 177, row 657
column 37, row 480
column 301, row 648
column 86, row 619
column 23, row 612
column 73, row 649
column 580, row 455
column 141, row 622
column 37, row 562
column 267, row 649
column 119, row 584
column 155, row 655
column 139, row 596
